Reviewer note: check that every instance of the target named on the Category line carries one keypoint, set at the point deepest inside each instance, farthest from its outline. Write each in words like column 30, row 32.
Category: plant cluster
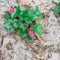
column 23, row 22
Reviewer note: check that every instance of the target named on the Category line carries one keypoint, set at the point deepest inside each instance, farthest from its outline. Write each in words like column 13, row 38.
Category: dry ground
column 48, row 48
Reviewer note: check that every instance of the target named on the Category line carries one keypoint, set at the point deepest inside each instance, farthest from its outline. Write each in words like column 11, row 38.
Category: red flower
column 31, row 28
column 11, row 11
column 31, row 33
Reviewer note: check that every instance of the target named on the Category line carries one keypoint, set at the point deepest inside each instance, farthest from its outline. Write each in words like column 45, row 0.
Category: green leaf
column 30, row 15
column 57, row 9
column 8, row 27
column 37, row 28
column 26, row 16
column 16, row 12
column 29, row 38
column 58, row 1
column 11, row 24
column 37, row 14
column 7, row 15
column 19, row 32
column 12, row 29
column 23, row 33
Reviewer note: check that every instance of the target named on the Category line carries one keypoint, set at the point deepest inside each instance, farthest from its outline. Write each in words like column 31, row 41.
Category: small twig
column 2, row 40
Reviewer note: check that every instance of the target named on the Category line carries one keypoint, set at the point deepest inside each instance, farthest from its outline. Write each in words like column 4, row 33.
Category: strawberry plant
column 22, row 22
